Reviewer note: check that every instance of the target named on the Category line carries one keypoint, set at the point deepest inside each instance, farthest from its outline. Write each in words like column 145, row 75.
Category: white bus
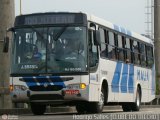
column 65, row 58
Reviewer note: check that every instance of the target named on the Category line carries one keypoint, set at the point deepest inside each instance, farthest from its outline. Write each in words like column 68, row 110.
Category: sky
column 127, row 13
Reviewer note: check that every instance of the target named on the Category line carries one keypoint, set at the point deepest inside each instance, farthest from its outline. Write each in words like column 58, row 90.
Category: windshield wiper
column 33, row 28
column 60, row 33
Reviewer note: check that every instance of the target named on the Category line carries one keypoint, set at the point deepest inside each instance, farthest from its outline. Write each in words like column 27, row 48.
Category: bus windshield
column 38, row 50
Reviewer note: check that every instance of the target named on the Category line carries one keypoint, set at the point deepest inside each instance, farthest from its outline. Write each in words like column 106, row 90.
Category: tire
column 136, row 105
column 97, row 107
column 126, row 107
column 82, row 107
column 92, row 107
column 38, row 109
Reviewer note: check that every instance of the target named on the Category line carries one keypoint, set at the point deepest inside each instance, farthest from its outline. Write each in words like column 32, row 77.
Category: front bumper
column 19, row 96
column 53, row 97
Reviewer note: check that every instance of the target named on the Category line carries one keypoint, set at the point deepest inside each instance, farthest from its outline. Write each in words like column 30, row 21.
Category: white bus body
column 119, row 80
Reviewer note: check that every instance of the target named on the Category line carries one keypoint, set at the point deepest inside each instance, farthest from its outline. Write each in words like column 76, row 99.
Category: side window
column 111, row 39
column 128, row 50
column 102, row 34
column 93, row 49
column 142, row 54
column 135, row 49
column 149, row 54
column 120, row 48
column 104, row 49
column 111, row 46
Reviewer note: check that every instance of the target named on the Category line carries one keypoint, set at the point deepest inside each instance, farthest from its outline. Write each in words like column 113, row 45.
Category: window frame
column 126, row 50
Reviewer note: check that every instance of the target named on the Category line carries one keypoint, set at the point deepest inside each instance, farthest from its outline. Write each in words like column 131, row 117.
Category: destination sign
column 49, row 19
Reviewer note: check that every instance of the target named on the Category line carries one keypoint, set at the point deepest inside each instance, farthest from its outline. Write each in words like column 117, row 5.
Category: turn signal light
column 82, row 85
column 11, row 88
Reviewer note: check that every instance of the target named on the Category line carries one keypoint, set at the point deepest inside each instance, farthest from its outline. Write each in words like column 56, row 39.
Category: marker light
column 82, row 85
column 11, row 88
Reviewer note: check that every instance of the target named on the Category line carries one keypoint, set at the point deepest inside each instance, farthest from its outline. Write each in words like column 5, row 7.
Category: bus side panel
column 152, row 86
column 123, row 80
column 144, row 77
column 107, row 71
column 94, row 86
column 126, row 93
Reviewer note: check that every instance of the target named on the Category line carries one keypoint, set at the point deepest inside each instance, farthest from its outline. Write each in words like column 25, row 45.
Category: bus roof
column 103, row 22
column 110, row 25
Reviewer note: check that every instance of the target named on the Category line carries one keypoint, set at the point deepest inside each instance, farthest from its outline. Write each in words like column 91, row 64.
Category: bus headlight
column 77, row 86
column 20, row 87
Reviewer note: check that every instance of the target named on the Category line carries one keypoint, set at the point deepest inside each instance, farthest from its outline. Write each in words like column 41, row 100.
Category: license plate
column 72, row 92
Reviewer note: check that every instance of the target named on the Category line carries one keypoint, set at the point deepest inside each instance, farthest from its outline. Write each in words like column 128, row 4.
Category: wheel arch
column 140, row 89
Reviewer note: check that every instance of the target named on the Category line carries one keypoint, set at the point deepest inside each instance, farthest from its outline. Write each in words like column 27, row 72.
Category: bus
column 67, row 58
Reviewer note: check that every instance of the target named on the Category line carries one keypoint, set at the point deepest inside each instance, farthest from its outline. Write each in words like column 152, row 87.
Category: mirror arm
column 6, row 40
column 6, row 44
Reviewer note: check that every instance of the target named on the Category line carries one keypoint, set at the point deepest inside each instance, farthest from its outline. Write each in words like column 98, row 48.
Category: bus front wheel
column 38, row 109
column 92, row 107
column 97, row 107
column 82, row 107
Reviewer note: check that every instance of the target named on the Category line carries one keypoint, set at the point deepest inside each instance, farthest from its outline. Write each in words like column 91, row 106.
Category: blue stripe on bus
column 116, row 78
column 30, row 82
column 129, row 33
column 33, row 81
column 116, row 27
column 124, row 78
column 131, row 79
column 125, row 74
column 123, row 30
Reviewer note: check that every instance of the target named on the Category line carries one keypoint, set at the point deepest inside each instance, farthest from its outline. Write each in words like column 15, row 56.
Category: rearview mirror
column 97, row 38
column 96, row 34
column 6, row 44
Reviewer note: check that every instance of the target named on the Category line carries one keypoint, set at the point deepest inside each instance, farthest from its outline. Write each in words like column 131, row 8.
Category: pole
column 7, row 16
column 20, row 7
column 157, row 41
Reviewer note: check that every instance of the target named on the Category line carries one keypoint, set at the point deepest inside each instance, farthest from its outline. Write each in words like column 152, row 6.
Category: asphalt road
column 143, row 114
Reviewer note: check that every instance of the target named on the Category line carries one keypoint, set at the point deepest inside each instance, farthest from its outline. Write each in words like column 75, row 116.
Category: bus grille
column 46, row 97
column 48, row 88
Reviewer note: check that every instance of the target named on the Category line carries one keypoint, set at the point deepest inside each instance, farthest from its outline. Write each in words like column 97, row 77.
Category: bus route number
column 73, row 69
